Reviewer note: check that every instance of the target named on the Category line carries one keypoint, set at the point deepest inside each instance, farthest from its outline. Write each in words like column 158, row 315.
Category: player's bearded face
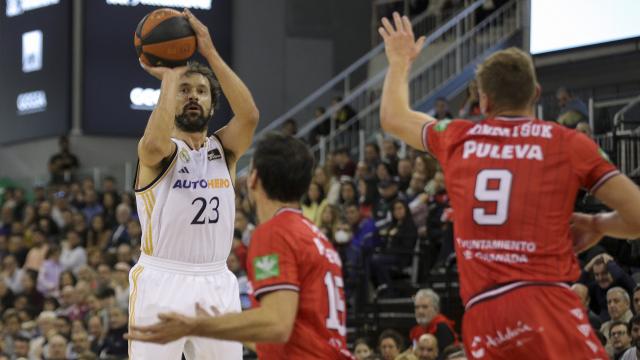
column 194, row 117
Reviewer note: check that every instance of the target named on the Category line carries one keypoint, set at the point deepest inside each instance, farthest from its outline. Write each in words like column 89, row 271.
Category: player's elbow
column 385, row 120
column 251, row 116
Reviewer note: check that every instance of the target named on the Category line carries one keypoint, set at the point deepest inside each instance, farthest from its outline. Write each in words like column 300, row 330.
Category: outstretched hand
column 205, row 44
column 399, row 40
column 172, row 326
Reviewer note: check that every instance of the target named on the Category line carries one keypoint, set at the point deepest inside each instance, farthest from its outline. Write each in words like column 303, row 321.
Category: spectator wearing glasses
column 619, row 339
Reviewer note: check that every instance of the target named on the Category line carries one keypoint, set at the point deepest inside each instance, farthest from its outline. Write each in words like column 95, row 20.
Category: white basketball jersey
column 187, row 213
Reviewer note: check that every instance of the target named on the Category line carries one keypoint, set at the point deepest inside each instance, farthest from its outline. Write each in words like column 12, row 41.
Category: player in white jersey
column 185, row 198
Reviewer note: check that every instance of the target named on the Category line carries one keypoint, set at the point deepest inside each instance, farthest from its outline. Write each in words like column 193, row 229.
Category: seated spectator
column 368, row 196
column 243, row 225
column 636, row 300
column 372, row 156
column 115, row 345
column 344, row 165
column 390, row 150
column 405, row 170
column 21, row 347
column 619, row 339
column 360, row 240
column 343, row 114
column 572, row 109
column 11, row 332
column 135, row 233
column 57, row 348
column 361, row 349
column 427, row 347
column 109, row 212
column 329, row 221
column 441, row 110
column 73, row 254
column 427, row 310
column 362, row 171
column 384, row 172
column 348, row 192
column 600, row 275
column 63, row 163
column 34, row 298
column 633, row 353
column 584, row 128
column 382, row 211
column 124, row 254
column 91, row 205
column 583, row 293
column 324, row 176
column 313, row 203
column 470, row 110
column 120, row 283
column 120, row 234
column 436, row 184
column 70, row 304
column 619, row 307
column 98, row 235
column 49, row 276
column 81, row 345
column 454, row 352
column 399, row 241
column 416, row 185
column 12, row 274
column 39, row 247
column 97, row 333
column 323, row 126
column 390, row 344
column 290, row 127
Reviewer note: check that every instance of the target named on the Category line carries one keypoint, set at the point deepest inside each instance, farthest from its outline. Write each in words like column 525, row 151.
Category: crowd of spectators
column 66, row 250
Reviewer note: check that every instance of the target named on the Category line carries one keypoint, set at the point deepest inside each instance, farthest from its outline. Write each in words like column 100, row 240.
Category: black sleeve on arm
column 444, row 335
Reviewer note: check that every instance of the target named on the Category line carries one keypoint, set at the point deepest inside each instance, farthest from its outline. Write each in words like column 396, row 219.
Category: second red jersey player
column 289, row 253
column 512, row 181
column 512, row 240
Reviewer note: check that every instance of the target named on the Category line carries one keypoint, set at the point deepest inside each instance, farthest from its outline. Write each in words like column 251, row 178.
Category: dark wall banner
column 35, row 69
column 118, row 95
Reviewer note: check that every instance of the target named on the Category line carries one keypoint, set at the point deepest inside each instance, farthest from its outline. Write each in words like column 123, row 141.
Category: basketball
column 164, row 37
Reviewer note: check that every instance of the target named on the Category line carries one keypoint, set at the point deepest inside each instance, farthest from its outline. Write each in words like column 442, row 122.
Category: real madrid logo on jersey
column 184, row 155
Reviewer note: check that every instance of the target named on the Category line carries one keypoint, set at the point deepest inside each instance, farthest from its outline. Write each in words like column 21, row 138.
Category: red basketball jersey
column 289, row 253
column 512, row 183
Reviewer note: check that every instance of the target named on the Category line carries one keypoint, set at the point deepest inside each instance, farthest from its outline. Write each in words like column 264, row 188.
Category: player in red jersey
column 512, row 182
column 295, row 272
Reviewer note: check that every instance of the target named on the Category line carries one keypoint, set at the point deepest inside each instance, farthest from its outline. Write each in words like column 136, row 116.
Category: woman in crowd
column 313, row 203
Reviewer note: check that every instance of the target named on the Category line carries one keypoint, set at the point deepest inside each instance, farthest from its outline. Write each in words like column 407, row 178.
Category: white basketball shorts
column 159, row 285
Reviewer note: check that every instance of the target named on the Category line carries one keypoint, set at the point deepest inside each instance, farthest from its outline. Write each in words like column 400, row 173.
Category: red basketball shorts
column 529, row 321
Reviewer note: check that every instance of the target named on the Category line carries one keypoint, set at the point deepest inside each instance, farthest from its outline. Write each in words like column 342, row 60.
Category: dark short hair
column 195, row 67
column 635, row 320
column 284, row 165
column 374, row 146
column 393, row 335
column 620, row 323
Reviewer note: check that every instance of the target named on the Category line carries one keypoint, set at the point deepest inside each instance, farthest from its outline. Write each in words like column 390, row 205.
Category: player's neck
column 526, row 112
column 267, row 209
column 194, row 140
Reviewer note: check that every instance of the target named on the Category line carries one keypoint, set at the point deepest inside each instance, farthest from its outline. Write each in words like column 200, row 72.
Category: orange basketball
column 164, row 38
